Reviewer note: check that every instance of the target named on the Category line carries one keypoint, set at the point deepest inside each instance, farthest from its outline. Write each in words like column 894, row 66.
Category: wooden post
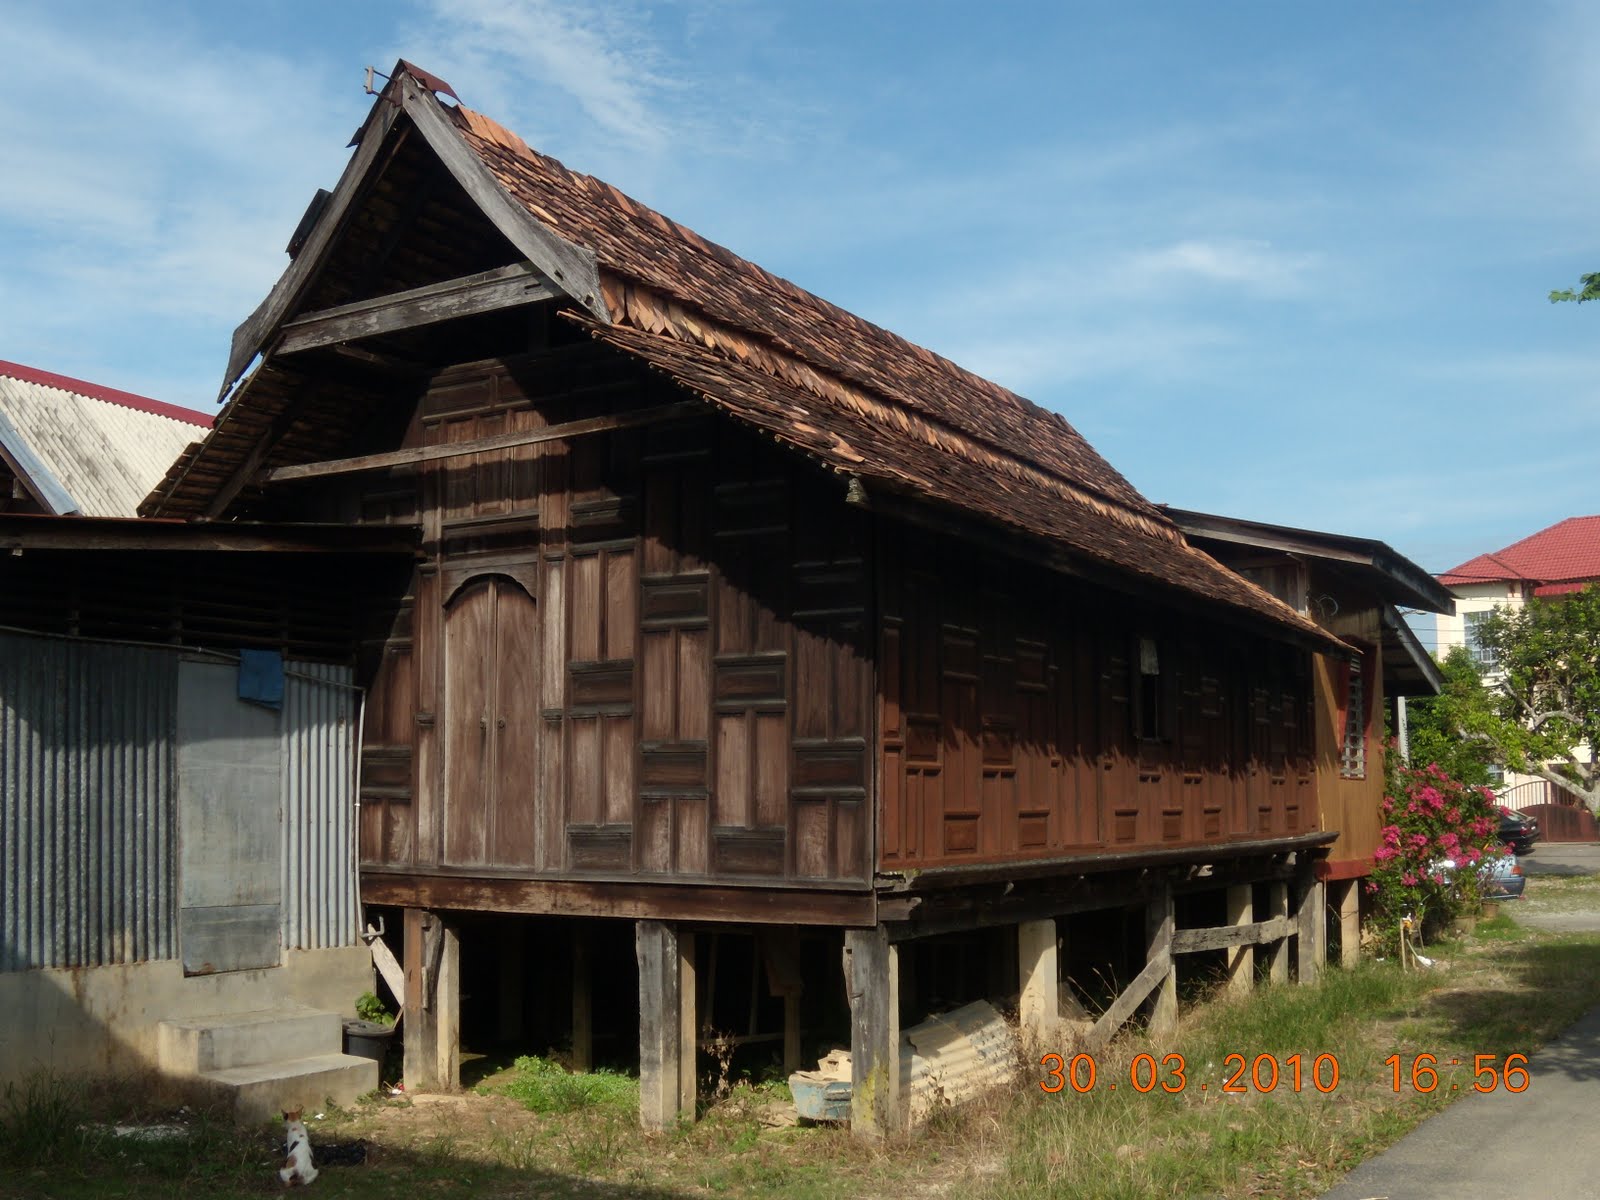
column 582, row 1002
column 447, row 1011
column 421, row 1029
column 1347, row 897
column 872, row 982
column 1310, row 922
column 666, row 1023
column 791, row 1032
column 1158, row 926
column 688, row 1027
column 1241, row 959
column 1280, row 948
column 512, row 962
column 1039, row 1003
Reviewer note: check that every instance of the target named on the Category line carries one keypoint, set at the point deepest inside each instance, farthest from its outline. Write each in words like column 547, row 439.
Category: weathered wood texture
column 666, row 1023
column 1159, row 927
column 1024, row 715
column 1350, row 799
column 641, row 652
column 872, row 982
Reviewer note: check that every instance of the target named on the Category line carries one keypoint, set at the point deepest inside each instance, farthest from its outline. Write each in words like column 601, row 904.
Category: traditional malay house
column 1354, row 588
column 740, row 621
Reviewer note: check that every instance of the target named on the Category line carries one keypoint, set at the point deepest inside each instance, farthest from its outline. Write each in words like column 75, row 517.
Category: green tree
column 1588, row 289
column 1543, row 717
column 1436, row 726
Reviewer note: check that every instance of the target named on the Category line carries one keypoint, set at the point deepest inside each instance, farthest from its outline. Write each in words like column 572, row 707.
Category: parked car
column 1502, row 876
column 1504, row 879
column 1518, row 831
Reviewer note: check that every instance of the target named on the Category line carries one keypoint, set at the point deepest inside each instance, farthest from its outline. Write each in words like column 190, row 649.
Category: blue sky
column 1286, row 262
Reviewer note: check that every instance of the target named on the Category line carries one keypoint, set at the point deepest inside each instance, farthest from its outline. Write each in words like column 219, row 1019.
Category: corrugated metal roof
column 105, row 448
column 1567, row 551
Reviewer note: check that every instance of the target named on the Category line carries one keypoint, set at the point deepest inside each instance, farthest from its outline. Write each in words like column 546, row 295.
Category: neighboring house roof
column 1392, row 578
column 1566, row 553
column 79, row 447
column 903, row 421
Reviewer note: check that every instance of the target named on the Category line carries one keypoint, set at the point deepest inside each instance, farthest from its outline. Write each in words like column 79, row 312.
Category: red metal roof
column 111, row 395
column 1566, row 552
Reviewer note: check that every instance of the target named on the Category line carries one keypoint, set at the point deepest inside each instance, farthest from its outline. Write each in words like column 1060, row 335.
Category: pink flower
column 1418, row 841
column 1384, row 853
column 1409, row 880
column 1391, row 835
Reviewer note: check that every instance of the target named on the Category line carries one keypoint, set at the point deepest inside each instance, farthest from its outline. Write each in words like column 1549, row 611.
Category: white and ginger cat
column 297, row 1168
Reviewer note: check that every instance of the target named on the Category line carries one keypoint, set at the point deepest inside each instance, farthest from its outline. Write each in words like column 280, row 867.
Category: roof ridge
column 109, row 395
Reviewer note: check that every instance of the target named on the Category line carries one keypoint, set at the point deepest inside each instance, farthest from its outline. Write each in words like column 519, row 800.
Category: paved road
column 1562, row 858
column 1534, row 1143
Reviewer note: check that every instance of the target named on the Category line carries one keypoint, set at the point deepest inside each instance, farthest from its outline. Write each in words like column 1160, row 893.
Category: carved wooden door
column 491, row 724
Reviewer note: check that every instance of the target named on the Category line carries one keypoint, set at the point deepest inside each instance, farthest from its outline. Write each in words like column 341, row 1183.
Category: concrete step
column 198, row 1045
column 264, row 1090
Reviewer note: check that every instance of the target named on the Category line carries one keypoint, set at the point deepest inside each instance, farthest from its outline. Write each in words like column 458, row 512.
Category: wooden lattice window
column 1353, row 753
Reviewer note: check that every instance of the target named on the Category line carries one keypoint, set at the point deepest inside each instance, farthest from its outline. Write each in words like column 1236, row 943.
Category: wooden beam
column 447, row 1011
column 1124, row 1005
column 1193, row 941
column 421, row 1031
column 1159, row 927
column 582, row 1001
column 872, row 983
column 258, row 327
column 1242, row 958
column 20, row 533
column 666, row 964
column 487, row 291
column 1279, row 970
column 1348, row 900
column 573, row 268
column 1039, row 1001
column 687, row 410
column 1310, row 946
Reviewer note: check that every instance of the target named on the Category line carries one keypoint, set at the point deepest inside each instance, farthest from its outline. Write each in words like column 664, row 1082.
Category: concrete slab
column 197, row 1045
column 1532, row 1143
column 264, row 1091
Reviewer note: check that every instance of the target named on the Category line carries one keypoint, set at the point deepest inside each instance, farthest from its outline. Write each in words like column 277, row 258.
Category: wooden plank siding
column 641, row 653
column 1025, row 715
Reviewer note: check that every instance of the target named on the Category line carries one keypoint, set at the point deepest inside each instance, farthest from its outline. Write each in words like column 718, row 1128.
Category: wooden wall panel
column 1026, row 715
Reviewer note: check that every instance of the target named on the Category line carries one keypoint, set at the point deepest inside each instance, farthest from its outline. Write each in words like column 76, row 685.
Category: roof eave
column 1396, row 578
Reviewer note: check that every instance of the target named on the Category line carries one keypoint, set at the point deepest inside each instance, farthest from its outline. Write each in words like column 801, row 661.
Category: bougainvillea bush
column 1437, row 835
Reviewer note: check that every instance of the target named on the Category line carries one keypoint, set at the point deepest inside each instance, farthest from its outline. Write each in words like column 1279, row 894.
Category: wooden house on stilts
column 740, row 621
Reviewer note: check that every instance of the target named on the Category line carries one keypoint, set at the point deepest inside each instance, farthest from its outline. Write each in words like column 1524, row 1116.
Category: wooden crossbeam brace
column 687, row 410
column 1192, row 941
column 1132, row 996
column 486, row 291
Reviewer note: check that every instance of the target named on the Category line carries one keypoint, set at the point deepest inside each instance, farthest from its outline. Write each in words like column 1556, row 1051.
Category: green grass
column 543, row 1086
column 1504, row 992
column 534, row 1129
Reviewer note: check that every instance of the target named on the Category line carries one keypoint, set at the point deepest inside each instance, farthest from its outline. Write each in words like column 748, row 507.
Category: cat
column 297, row 1168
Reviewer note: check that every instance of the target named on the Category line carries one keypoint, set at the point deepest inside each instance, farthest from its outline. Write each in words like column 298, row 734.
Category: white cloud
column 1255, row 266
column 516, row 52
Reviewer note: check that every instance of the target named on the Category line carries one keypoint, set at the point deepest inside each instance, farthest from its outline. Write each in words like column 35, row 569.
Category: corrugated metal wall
column 86, row 803
column 88, row 862
column 320, row 906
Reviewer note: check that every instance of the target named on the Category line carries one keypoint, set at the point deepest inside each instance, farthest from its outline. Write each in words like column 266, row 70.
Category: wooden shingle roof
column 859, row 398
column 898, row 418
